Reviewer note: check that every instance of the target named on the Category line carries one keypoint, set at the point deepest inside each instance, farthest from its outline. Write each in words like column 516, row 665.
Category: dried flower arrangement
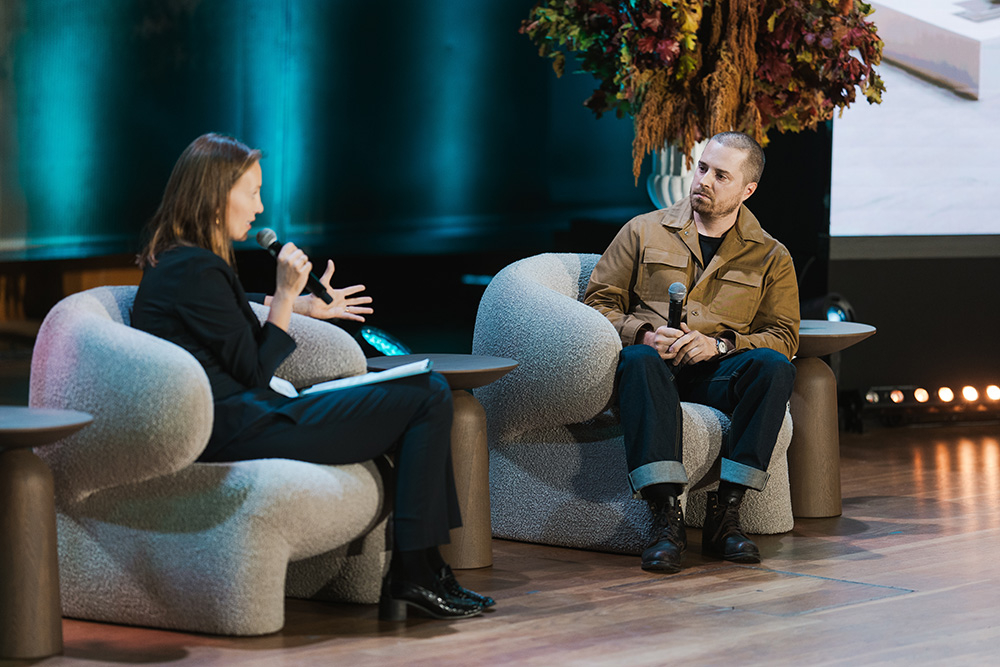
column 686, row 69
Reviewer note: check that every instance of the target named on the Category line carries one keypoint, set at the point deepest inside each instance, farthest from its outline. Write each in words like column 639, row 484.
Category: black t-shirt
column 710, row 246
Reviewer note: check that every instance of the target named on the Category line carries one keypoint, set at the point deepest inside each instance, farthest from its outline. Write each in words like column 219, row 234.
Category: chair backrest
column 568, row 352
column 151, row 401
column 564, row 273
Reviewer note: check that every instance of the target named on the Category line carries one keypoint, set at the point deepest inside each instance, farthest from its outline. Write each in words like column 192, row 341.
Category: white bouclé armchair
column 148, row 536
column 557, row 465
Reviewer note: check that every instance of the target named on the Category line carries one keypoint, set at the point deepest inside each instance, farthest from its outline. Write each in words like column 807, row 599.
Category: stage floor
column 907, row 575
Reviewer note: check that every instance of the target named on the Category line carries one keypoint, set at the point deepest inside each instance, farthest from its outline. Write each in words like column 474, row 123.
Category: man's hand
column 345, row 306
column 691, row 348
column 661, row 340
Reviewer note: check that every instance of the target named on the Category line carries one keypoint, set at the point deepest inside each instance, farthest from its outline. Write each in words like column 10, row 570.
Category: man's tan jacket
column 747, row 294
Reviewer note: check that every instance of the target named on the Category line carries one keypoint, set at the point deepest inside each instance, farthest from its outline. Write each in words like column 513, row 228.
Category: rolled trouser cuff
column 657, row 472
column 738, row 473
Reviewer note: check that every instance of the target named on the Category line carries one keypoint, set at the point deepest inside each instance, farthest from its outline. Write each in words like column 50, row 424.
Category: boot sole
column 661, row 566
column 395, row 609
column 742, row 558
column 734, row 558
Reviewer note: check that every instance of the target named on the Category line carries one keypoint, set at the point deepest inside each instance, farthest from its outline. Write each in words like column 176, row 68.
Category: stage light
column 895, row 405
column 838, row 309
column 383, row 342
column 832, row 307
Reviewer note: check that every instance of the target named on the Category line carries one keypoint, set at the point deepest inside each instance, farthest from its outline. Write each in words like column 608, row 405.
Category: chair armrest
column 323, row 351
column 567, row 351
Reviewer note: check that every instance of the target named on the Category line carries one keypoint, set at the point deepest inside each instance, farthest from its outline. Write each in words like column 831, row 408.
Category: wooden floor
column 909, row 574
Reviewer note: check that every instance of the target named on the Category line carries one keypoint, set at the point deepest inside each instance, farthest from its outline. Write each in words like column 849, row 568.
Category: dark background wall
column 937, row 321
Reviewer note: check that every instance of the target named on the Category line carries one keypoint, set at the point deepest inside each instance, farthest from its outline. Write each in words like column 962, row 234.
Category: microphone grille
column 266, row 237
column 677, row 291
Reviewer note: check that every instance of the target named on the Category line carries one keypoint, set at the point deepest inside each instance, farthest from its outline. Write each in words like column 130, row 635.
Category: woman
column 190, row 295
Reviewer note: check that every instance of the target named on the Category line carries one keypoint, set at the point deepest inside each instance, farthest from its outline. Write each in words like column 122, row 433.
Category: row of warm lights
column 945, row 394
column 969, row 393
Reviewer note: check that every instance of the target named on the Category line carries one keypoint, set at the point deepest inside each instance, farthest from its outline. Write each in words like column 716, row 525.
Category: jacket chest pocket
column 660, row 268
column 738, row 296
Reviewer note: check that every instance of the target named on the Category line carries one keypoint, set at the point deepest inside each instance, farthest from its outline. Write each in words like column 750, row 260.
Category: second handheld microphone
column 677, row 293
column 268, row 240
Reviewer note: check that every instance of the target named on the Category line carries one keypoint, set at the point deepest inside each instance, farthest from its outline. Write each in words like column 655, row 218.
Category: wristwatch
column 721, row 345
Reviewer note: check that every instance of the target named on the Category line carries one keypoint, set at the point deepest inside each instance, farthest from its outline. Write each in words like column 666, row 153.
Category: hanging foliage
column 687, row 69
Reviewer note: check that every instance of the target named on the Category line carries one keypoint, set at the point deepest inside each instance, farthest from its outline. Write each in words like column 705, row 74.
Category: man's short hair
column 753, row 163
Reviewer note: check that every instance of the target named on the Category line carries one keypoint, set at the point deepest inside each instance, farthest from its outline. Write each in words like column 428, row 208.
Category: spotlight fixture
column 832, row 307
column 946, row 394
column 896, row 396
column 921, row 395
column 970, row 394
column 838, row 309
column 993, row 392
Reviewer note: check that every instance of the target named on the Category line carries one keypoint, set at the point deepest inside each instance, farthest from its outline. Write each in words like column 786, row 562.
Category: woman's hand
column 293, row 270
column 292, row 274
column 345, row 305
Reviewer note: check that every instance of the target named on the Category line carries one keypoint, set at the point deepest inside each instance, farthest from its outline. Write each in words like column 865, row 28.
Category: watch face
column 723, row 347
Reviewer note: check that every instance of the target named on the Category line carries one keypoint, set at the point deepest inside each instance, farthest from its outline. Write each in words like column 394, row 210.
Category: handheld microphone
column 268, row 240
column 677, row 293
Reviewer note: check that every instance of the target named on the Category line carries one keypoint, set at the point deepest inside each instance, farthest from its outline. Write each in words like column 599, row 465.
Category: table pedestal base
column 30, row 613
column 471, row 545
column 814, row 454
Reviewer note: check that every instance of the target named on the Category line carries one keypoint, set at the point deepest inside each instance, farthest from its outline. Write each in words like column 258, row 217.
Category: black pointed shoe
column 398, row 595
column 456, row 590
column 669, row 538
column 722, row 536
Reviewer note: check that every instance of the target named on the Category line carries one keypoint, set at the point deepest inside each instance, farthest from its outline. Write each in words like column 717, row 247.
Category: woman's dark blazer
column 193, row 298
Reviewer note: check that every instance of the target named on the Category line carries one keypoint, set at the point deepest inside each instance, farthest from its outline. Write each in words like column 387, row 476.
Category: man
column 732, row 351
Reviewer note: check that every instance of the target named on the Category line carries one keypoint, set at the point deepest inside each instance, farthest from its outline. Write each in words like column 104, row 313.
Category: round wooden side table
column 471, row 545
column 814, row 453
column 30, row 608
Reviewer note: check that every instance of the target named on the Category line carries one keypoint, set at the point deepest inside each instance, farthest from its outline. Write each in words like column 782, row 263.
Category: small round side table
column 814, row 454
column 30, row 608
column 471, row 545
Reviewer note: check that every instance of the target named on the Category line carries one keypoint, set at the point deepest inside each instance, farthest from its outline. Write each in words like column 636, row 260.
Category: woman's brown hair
column 193, row 209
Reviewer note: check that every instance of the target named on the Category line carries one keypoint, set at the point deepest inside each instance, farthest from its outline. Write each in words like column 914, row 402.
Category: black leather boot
column 451, row 586
column 722, row 536
column 669, row 538
column 434, row 602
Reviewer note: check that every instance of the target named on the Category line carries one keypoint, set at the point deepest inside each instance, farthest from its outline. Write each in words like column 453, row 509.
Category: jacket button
column 695, row 313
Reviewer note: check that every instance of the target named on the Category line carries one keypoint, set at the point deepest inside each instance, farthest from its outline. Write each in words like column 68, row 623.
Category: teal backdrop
column 403, row 127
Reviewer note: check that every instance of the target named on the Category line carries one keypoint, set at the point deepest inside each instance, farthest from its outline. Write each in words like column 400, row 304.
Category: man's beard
column 712, row 207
